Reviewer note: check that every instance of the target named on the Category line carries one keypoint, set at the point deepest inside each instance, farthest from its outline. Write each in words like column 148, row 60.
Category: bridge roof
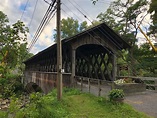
column 101, row 29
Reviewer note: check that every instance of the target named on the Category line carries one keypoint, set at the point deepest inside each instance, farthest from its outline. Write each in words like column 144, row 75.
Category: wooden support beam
column 114, row 69
column 73, row 66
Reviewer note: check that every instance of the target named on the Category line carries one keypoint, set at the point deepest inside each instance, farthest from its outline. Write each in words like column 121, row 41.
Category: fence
column 102, row 87
column 96, row 86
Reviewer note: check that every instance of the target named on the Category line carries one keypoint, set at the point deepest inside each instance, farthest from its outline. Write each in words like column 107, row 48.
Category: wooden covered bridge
column 91, row 53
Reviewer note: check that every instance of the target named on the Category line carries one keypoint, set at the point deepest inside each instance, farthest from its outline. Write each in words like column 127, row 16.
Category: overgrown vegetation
column 73, row 105
column 11, row 85
column 13, row 51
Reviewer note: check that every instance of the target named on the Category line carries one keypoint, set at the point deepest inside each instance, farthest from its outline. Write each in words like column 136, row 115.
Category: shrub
column 11, row 85
column 116, row 93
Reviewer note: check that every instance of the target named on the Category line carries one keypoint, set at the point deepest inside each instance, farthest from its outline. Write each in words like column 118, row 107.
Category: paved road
column 144, row 102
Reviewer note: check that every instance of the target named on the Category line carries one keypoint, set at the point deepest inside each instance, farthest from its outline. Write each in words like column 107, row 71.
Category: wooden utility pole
column 59, row 52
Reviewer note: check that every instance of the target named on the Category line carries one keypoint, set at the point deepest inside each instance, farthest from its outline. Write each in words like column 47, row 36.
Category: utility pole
column 59, row 52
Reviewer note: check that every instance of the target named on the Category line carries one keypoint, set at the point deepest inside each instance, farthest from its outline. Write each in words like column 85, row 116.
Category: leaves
column 12, row 40
column 71, row 27
column 123, row 17
column 116, row 93
column 153, row 12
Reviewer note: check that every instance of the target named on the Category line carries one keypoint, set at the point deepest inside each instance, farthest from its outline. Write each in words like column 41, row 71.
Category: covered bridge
column 91, row 53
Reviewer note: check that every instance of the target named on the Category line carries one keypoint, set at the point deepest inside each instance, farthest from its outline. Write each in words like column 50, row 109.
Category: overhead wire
column 46, row 19
column 78, row 17
column 80, row 7
column 39, row 31
column 85, row 30
column 117, row 45
column 114, row 41
column 91, row 21
column 24, row 9
column 46, row 2
column 33, row 13
column 80, row 11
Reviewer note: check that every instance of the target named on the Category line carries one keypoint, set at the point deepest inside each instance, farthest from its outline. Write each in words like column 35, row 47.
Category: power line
column 33, row 13
column 108, row 35
column 80, row 11
column 46, row 2
column 69, row 10
column 24, row 9
column 39, row 31
column 92, row 23
column 88, row 32
column 46, row 19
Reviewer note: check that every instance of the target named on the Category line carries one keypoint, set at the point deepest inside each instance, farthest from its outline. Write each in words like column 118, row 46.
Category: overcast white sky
column 14, row 9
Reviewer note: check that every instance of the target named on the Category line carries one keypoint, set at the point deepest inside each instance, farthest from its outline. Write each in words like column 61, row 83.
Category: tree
column 148, row 60
column 153, row 11
column 122, row 16
column 70, row 27
column 13, row 42
column 13, row 52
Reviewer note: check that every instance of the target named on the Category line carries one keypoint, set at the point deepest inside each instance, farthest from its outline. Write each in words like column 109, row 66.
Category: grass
column 89, row 106
column 75, row 104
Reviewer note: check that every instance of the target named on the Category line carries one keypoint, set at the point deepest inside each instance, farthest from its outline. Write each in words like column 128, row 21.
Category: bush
column 11, row 85
column 116, row 93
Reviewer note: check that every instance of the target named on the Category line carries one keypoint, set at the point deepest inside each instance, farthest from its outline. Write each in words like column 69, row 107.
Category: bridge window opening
column 94, row 61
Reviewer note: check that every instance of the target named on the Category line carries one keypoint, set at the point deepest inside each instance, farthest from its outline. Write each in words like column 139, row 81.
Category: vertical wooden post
column 73, row 67
column 114, row 71
column 99, row 88
column 81, row 84
column 155, row 85
column 118, row 70
column 89, row 85
column 112, row 85
column 59, row 52
column 75, row 81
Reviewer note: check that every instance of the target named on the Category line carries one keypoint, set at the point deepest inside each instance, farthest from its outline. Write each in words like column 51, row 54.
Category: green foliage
column 3, row 114
column 14, row 105
column 11, row 85
column 147, row 61
column 123, row 16
column 126, row 14
column 116, row 93
column 13, row 44
column 13, row 52
column 74, row 104
column 71, row 27
column 153, row 12
column 71, row 91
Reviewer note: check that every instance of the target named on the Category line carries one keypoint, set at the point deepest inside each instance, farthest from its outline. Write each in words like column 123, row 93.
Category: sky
column 18, row 10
